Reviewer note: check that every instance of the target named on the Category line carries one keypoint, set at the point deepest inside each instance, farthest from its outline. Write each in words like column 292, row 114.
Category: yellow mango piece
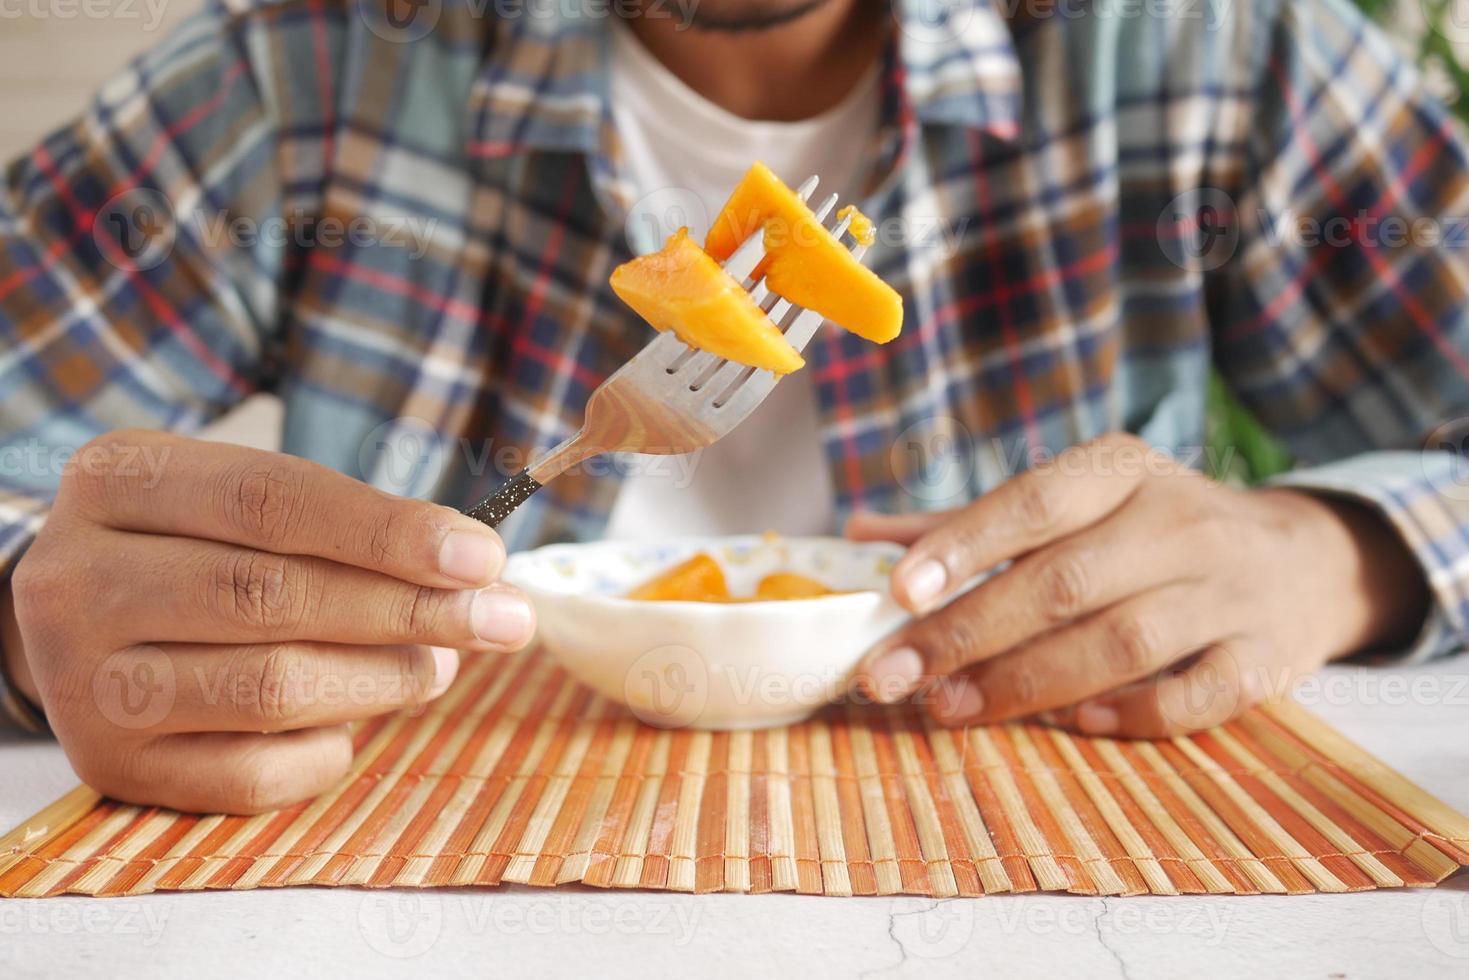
column 803, row 262
column 699, row 579
column 789, row 585
column 680, row 288
column 861, row 227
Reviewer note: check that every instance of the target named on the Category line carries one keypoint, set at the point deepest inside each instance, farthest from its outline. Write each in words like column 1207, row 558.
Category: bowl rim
column 854, row 597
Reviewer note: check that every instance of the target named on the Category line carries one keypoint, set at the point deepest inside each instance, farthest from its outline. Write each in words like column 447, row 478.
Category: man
column 1085, row 206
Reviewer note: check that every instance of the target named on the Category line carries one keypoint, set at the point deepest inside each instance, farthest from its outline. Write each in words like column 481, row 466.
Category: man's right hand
column 201, row 629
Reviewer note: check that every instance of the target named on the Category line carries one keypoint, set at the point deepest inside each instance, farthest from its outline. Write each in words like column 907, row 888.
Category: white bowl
column 703, row 664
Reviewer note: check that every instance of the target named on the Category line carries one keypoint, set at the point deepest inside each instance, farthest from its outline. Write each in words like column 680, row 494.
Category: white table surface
column 1417, row 719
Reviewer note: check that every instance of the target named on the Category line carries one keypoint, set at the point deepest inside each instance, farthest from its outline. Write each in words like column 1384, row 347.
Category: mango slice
column 789, row 585
column 803, row 262
column 680, row 288
column 700, row 579
column 859, row 225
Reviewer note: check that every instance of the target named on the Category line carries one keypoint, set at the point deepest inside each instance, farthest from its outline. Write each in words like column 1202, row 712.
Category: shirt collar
column 543, row 83
column 958, row 65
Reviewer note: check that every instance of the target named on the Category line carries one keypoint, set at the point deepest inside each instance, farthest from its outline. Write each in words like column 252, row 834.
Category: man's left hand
column 1141, row 599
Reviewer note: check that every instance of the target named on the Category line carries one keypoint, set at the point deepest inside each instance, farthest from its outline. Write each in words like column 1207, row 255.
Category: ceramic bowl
column 711, row 665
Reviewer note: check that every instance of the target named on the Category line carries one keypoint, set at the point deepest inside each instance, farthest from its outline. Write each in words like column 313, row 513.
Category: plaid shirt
column 1084, row 212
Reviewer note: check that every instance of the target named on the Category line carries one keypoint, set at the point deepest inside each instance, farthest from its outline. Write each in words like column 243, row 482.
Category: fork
column 670, row 398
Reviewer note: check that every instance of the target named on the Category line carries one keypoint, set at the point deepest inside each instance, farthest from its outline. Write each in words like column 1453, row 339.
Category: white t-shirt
column 770, row 473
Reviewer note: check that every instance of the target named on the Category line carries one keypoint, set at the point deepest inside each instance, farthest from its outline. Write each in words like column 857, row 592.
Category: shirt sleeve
column 141, row 257
column 1341, row 318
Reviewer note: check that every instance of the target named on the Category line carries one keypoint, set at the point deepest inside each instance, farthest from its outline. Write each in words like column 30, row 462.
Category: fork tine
column 808, row 321
column 779, row 310
column 708, row 365
column 802, row 324
column 760, row 292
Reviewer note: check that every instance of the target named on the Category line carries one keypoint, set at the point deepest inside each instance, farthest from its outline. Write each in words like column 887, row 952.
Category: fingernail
column 500, row 617
column 468, row 557
column 892, row 676
column 1096, row 719
column 446, row 668
column 963, row 701
column 925, row 582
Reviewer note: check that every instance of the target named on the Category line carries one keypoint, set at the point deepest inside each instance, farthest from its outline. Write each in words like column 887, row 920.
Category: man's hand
column 200, row 633
column 1141, row 599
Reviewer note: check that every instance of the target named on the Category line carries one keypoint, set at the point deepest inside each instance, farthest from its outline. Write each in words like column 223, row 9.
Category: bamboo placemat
column 520, row 775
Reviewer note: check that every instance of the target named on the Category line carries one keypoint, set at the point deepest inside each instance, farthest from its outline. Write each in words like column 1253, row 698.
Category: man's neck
column 787, row 72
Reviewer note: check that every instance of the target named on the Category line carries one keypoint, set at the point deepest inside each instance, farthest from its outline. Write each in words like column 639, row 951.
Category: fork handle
column 511, row 494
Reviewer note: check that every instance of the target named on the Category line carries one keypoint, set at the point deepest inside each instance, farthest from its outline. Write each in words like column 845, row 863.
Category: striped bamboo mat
column 520, row 775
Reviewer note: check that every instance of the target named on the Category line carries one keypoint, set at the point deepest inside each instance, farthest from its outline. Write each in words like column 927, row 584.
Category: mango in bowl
column 750, row 663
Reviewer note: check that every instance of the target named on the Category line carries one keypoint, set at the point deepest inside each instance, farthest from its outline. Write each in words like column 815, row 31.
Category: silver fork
column 670, row 398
